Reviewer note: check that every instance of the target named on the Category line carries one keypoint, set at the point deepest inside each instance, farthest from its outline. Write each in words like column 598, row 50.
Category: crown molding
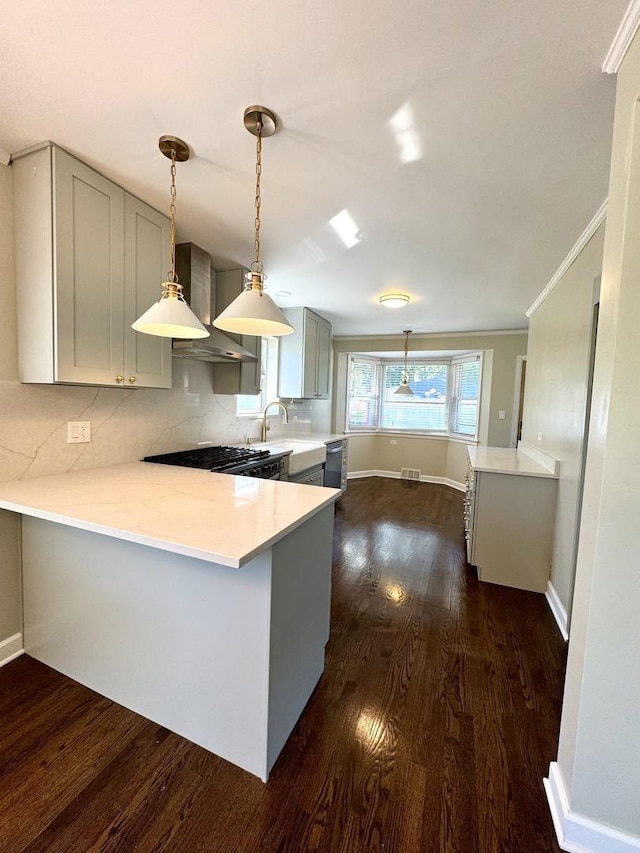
column 582, row 241
column 391, row 337
column 623, row 38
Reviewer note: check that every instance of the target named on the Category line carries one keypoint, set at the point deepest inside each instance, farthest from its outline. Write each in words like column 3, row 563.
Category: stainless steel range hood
column 196, row 276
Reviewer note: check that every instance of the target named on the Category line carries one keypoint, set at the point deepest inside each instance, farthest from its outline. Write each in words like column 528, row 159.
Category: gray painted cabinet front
column 244, row 378
column 304, row 356
column 90, row 258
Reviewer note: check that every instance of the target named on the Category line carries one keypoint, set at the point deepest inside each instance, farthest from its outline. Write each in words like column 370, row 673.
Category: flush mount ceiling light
column 170, row 316
column 394, row 300
column 403, row 388
column 253, row 312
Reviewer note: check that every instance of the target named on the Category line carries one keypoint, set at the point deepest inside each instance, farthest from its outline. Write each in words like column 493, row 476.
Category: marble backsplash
column 126, row 424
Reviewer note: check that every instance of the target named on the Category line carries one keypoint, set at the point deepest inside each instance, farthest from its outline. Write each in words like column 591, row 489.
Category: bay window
column 445, row 400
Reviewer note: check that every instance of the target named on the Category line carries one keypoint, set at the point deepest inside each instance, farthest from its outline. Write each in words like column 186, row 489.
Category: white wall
column 556, row 394
column 126, row 423
column 599, row 749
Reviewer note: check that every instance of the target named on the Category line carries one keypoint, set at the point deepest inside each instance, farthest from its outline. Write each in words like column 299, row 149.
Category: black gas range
column 243, row 461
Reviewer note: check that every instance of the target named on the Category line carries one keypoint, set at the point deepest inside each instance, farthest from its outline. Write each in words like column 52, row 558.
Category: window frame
column 467, row 358
column 449, row 362
column 268, row 380
column 361, row 359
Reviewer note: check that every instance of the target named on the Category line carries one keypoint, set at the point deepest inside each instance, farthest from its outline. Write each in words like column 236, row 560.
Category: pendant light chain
column 406, row 356
column 172, row 211
column 170, row 316
column 256, row 266
column 253, row 312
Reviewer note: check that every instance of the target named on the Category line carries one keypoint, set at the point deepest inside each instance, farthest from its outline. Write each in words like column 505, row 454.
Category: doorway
column 518, row 400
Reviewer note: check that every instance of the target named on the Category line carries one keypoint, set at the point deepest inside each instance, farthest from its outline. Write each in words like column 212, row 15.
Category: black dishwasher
column 335, row 466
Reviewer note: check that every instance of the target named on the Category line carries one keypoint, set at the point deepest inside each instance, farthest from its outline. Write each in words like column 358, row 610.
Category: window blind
column 364, row 390
column 465, row 376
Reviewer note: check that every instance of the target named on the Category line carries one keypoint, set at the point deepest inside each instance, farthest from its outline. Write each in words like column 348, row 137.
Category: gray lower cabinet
column 313, row 476
column 246, row 377
column 90, row 258
column 305, row 356
column 509, row 521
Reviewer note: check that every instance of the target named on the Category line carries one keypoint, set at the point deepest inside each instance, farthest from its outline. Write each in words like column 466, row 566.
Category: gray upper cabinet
column 90, row 259
column 245, row 377
column 305, row 356
column 147, row 259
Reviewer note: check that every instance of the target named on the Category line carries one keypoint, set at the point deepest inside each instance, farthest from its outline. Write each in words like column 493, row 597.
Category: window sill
column 438, row 436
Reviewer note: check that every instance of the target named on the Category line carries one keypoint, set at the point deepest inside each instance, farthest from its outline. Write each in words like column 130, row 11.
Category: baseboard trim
column 579, row 834
column 395, row 475
column 557, row 608
column 11, row 648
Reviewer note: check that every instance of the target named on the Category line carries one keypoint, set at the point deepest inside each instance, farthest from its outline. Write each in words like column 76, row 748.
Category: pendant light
column 170, row 316
column 253, row 312
column 403, row 387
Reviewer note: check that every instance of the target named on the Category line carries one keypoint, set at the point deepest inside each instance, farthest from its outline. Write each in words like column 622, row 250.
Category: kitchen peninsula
column 198, row 600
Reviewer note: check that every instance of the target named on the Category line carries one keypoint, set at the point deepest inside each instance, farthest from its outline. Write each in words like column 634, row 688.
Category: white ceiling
column 511, row 120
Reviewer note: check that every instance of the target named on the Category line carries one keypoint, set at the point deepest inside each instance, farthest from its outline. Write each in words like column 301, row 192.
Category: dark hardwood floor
column 430, row 731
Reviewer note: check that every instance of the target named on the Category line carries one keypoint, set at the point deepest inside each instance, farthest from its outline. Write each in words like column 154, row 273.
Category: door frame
column 521, row 360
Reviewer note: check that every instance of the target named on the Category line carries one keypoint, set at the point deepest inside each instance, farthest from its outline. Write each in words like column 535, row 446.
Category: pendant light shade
column 403, row 388
column 253, row 312
column 170, row 316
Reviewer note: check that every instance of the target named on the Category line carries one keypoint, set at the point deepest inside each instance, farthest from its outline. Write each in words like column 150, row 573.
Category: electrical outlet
column 502, row 414
column 78, row 432
column 539, row 436
column 393, row 441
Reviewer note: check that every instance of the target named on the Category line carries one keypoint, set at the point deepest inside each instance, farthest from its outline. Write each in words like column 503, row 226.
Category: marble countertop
column 311, row 437
column 214, row 517
column 507, row 460
column 324, row 437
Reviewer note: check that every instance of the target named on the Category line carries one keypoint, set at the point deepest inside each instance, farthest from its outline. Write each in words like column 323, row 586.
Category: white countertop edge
column 508, row 460
column 118, row 533
column 309, row 437
column 169, row 544
column 60, row 498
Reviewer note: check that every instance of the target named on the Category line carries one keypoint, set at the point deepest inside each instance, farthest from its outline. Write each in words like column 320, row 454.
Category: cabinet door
column 147, row 254
column 305, row 355
column 251, row 371
column 245, row 377
column 310, row 356
column 323, row 360
column 310, row 477
column 89, row 274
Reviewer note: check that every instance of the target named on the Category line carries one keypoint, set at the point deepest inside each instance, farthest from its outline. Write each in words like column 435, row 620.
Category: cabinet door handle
column 132, row 379
column 119, row 378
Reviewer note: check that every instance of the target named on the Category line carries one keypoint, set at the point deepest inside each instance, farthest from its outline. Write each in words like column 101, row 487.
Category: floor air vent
column 410, row 473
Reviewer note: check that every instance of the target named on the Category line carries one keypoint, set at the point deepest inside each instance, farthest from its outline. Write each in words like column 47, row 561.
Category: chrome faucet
column 265, row 425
